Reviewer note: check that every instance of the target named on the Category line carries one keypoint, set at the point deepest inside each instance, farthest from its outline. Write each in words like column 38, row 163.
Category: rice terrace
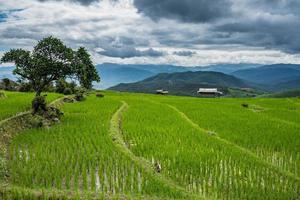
column 149, row 100
column 107, row 148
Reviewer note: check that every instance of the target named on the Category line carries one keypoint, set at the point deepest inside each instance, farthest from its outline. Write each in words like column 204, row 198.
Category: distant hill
column 273, row 77
column 113, row 74
column 226, row 68
column 285, row 94
column 183, row 83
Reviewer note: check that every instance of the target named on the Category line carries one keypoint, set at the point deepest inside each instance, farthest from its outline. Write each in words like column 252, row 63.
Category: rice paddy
column 206, row 149
column 16, row 102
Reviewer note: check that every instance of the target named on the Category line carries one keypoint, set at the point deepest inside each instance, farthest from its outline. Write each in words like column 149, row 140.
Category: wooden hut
column 209, row 92
column 162, row 92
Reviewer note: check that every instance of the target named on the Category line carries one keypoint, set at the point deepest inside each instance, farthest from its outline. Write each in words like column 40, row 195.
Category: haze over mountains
column 271, row 78
column 113, row 74
column 148, row 78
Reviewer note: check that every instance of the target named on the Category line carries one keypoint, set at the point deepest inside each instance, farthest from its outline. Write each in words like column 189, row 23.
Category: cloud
column 130, row 52
column 184, row 10
column 263, row 23
column 184, row 53
column 83, row 2
column 185, row 32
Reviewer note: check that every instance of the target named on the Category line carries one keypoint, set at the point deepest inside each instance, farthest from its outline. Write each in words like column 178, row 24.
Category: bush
column 7, row 84
column 99, row 95
column 245, row 105
column 79, row 96
column 62, row 85
column 67, row 91
column 25, row 87
column 39, row 104
column 36, row 121
column 68, row 100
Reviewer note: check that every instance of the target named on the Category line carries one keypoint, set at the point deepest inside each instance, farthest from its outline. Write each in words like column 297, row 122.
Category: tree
column 85, row 70
column 50, row 60
column 6, row 84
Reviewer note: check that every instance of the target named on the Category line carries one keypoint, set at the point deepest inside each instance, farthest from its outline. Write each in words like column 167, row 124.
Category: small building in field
column 209, row 92
column 162, row 92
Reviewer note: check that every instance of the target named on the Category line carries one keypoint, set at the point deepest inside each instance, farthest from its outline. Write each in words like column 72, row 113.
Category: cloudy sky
column 180, row 32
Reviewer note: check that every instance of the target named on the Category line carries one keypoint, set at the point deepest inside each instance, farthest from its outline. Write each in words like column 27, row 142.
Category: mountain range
column 113, row 74
column 183, row 83
column 271, row 78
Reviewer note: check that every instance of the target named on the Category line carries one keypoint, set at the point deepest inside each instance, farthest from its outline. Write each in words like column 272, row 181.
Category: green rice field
column 109, row 148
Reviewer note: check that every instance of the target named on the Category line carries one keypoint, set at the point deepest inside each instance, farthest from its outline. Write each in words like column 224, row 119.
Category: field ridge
column 116, row 134
column 242, row 149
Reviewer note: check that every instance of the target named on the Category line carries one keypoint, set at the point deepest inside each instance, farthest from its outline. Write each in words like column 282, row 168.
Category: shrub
column 68, row 100
column 61, row 86
column 245, row 105
column 36, row 121
column 79, row 96
column 67, row 91
column 39, row 104
column 99, row 95
column 7, row 84
column 25, row 87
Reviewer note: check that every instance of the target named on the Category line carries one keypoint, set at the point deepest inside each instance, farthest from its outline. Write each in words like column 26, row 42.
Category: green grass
column 269, row 127
column 208, row 148
column 198, row 161
column 16, row 102
column 80, row 155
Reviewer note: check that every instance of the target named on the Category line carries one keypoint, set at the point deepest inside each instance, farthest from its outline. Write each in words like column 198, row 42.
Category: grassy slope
column 197, row 161
column 16, row 102
column 268, row 127
column 79, row 153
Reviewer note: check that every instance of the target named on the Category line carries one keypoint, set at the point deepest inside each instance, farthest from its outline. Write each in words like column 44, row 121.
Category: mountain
column 113, row 74
column 273, row 77
column 226, row 68
column 183, row 83
column 287, row 85
column 284, row 94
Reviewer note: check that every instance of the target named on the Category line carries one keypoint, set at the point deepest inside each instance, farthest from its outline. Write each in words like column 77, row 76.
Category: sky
column 178, row 32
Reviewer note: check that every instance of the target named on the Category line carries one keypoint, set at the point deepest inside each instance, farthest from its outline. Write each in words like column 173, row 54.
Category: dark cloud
column 263, row 33
column 184, row 53
column 185, row 10
column 130, row 52
column 276, row 6
column 272, row 24
column 83, row 2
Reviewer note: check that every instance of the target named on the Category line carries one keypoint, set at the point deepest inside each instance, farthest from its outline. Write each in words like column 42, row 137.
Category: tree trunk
column 38, row 93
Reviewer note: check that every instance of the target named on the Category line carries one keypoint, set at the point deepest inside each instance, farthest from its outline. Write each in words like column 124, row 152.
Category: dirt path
column 228, row 143
column 116, row 135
